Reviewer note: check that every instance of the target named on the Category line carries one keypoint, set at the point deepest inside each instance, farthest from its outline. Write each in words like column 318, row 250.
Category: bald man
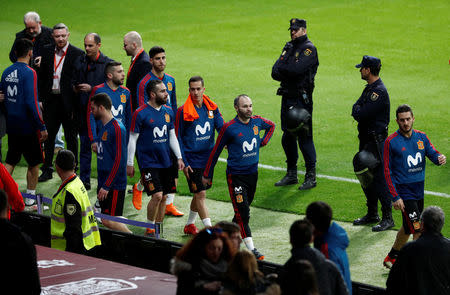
column 140, row 63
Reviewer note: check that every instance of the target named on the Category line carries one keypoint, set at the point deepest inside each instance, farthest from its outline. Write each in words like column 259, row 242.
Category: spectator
column 301, row 279
column 20, row 273
column 201, row 264
column 329, row 278
column 35, row 32
column 244, row 277
column 232, row 231
column 330, row 238
column 11, row 189
column 423, row 265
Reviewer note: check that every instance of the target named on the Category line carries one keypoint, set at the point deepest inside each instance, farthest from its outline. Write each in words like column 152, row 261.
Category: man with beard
column 35, row 32
column 120, row 99
column 152, row 135
column 241, row 136
column 58, row 98
column 140, row 64
column 158, row 62
column 404, row 168
column 111, row 161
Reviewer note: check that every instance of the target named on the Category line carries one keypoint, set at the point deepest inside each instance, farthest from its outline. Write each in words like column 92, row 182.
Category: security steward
column 296, row 69
column 73, row 225
column 371, row 111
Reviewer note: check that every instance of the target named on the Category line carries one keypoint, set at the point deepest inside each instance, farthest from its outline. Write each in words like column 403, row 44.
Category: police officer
column 296, row 69
column 73, row 226
column 371, row 111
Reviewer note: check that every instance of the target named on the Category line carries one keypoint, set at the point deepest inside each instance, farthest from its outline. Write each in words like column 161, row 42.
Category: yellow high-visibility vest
column 89, row 227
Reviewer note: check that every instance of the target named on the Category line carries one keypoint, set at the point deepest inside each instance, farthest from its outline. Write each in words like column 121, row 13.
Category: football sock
column 249, row 243
column 207, row 222
column 191, row 218
column 169, row 199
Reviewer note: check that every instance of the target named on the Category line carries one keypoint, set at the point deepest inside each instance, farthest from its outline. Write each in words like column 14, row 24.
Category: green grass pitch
column 233, row 45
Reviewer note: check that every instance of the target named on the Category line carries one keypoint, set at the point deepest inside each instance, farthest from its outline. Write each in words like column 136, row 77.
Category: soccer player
column 196, row 121
column 111, row 161
column 120, row 99
column 158, row 61
column 24, row 124
column 241, row 136
column 404, row 169
column 152, row 135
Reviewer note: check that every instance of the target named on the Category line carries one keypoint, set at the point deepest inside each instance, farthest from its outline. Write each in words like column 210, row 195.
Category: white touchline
column 344, row 179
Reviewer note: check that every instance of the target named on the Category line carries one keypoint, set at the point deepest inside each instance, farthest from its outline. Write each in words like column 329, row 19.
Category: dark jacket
column 297, row 66
column 422, row 267
column 92, row 73
column 329, row 278
column 371, row 111
column 20, row 273
column 45, row 77
column 43, row 39
column 137, row 71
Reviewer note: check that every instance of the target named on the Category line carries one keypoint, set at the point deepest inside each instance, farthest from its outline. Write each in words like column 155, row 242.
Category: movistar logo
column 199, row 130
column 160, row 132
column 117, row 111
column 414, row 161
column 12, row 91
column 248, row 147
column 12, row 77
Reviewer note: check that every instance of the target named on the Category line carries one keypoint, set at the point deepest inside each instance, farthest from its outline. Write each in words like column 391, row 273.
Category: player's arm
column 128, row 113
column 173, row 98
column 179, row 132
column 32, row 102
column 131, row 152
column 110, row 180
column 91, row 122
column 433, row 154
column 175, row 147
column 141, row 91
column 214, row 156
column 387, row 153
column 269, row 127
column 218, row 120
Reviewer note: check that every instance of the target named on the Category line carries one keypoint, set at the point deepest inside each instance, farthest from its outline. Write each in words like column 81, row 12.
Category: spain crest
column 123, row 98
column 167, row 116
column 105, row 136
column 255, row 130
column 169, row 86
column 420, row 145
column 239, row 199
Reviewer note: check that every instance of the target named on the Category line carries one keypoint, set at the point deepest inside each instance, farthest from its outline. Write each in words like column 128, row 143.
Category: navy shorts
column 113, row 204
column 411, row 216
column 195, row 181
column 26, row 145
column 158, row 180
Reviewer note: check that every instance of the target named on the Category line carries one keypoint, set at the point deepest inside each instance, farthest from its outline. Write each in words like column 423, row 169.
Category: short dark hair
column 301, row 233
column 404, row 108
column 237, row 98
column 155, row 50
column 196, row 79
column 433, row 219
column 110, row 65
column 151, row 86
column 3, row 201
column 102, row 99
column 60, row 26
column 375, row 70
column 319, row 214
column 22, row 47
column 97, row 38
column 65, row 160
column 228, row 226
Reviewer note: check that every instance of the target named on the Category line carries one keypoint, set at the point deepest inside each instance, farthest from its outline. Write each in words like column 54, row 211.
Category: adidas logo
column 12, row 77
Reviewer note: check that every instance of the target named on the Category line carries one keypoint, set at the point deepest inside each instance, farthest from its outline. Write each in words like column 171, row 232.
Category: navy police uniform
column 296, row 69
column 371, row 111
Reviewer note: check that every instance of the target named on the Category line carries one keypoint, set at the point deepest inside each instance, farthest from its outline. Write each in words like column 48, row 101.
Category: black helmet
column 297, row 118
column 363, row 164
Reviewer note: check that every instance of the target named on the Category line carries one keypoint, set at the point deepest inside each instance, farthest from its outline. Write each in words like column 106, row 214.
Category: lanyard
column 60, row 60
column 134, row 60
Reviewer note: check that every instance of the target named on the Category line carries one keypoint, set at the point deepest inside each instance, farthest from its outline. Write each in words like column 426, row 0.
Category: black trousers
column 377, row 190
column 303, row 138
column 55, row 115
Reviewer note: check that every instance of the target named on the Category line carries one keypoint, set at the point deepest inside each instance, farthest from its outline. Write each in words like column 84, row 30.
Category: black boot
column 47, row 173
column 386, row 221
column 289, row 178
column 310, row 179
column 366, row 219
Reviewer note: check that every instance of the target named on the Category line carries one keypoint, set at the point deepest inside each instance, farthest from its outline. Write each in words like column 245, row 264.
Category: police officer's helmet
column 297, row 119
column 363, row 164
